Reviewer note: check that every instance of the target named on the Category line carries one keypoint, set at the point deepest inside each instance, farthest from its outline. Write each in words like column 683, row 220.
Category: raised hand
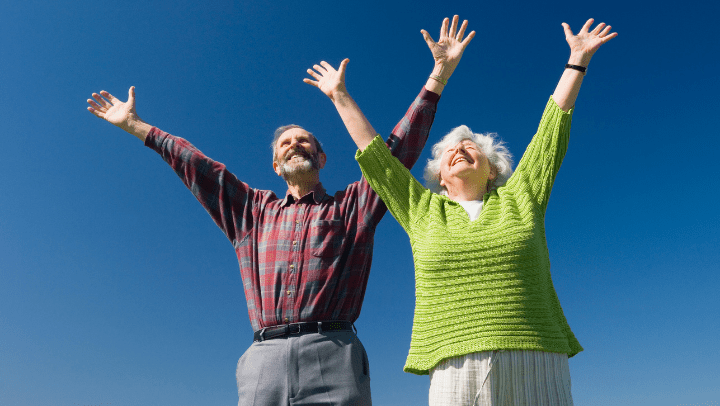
column 332, row 83
column 327, row 79
column 586, row 42
column 121, row 114
column 449, row 48
column 111, row 109
column 582, row 47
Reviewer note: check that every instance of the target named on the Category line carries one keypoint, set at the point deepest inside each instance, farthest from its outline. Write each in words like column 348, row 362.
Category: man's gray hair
column 281, row 130
column 494, row 150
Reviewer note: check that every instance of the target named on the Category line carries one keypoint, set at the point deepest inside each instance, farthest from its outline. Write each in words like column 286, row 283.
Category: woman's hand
column 586, row 42
column 582, row 47
column 328, row 80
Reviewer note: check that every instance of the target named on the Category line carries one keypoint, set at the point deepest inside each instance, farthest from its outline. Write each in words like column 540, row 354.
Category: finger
column 468, row 39
column 310, row 82
column 444, row 28
column 95, row 112
column 94, row 105
column 597, row 29
column 111, row 98
column 453, row 27
column 568, row 31
column 320, row 69
column 343, row 66
column 609, row 37
column 462, row 30
column 605, row 31
column 131, row 96
column 313, row 74
column 587, row 25
column 101, row 101
column 327, row 66
column 428, row 39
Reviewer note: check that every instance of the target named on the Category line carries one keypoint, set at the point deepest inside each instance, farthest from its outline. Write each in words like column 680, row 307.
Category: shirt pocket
column 326, row 237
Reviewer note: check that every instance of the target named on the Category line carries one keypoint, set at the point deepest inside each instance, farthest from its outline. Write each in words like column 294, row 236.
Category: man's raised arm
column 447, row 52
column 121, row 114
column 228, row 200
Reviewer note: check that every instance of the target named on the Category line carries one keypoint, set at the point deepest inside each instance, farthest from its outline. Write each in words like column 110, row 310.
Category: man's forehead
column 295, row 132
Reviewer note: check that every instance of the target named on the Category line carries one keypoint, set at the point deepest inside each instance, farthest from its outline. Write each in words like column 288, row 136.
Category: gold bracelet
column 439, row 79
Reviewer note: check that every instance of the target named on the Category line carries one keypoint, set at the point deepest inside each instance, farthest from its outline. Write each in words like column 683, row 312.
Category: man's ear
column 322, row 159
column 276, row 168
column 442, row 182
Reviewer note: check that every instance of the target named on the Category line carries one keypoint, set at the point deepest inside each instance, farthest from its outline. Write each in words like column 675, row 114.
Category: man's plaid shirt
column 304, row 260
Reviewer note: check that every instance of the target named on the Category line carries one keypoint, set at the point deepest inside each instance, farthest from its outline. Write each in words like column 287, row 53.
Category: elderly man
column 304, row 259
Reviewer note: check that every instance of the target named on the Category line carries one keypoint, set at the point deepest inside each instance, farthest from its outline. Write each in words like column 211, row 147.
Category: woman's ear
column 493, row 172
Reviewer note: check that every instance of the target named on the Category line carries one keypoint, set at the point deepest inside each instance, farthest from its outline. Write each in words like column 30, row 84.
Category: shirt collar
column 317, row 195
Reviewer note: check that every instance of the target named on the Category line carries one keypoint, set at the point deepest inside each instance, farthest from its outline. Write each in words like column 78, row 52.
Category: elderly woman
column 488, row 327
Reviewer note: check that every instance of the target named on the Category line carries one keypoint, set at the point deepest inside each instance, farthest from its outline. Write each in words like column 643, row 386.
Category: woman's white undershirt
column 473, row 208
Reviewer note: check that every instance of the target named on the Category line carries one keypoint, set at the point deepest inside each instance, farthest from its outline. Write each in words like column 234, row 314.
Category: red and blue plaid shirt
column 300, row 260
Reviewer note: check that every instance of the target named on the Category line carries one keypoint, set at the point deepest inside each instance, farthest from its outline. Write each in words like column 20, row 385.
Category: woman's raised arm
column 582, row 47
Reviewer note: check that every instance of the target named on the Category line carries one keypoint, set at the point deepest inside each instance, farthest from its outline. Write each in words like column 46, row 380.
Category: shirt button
column 286, row 320
column 294, row 243
column 289, row 293
column 292, row 266
column 297, row 221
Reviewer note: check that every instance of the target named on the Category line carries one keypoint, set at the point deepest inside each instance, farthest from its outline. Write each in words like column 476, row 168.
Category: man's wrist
column 442, row 71
column 138, row 128
column 341, row 96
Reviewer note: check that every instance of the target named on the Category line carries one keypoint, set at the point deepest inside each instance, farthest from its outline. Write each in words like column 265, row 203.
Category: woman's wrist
column 579, row 59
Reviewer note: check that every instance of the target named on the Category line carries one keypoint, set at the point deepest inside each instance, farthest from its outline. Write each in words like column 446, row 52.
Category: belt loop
column 320, row 327
column 354, row 328
column 262, row 334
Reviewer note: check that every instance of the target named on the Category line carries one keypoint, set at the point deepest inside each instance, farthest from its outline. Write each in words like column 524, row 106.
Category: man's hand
column 121, row 114
column 328, row 80
column 449, row 48
column 585, row 43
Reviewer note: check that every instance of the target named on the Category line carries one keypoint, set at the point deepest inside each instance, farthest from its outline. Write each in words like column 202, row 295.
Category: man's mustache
column 299, row 152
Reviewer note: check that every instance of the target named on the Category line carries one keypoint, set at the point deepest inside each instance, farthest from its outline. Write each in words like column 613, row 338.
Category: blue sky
column 117, row 288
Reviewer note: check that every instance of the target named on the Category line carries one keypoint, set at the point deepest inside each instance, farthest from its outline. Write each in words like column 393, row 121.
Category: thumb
column 343, row 66
column 131, row 96
column 568, row 32
column 428, row 39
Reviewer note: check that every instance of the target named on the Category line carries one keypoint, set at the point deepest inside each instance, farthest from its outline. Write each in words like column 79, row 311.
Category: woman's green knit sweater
column 482, row 285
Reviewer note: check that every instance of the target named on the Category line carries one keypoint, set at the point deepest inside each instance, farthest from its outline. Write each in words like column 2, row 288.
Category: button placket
column 294, row 257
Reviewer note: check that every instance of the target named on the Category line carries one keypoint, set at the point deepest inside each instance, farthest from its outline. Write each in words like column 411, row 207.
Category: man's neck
column 299, row 187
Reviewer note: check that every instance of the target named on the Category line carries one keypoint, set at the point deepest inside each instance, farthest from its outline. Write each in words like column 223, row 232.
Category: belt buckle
column 293, row 328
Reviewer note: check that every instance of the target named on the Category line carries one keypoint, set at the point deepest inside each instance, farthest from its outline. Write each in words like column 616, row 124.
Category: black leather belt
column 268, row 333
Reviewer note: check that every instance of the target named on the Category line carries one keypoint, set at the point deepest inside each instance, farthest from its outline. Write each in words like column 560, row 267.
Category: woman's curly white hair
column 494, row 150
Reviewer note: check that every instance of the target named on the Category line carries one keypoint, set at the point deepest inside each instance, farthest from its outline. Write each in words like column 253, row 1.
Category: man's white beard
column 300, row 165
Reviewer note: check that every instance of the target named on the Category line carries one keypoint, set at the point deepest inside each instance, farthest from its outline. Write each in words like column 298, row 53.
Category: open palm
column 586, row 42
column 111, row 109
column 449, row 48
column 327, row 79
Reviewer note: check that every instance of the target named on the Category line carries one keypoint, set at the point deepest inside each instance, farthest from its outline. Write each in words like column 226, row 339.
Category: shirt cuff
column 371, row 148
column 429, row 96
column 151, row 135
column 552, row 105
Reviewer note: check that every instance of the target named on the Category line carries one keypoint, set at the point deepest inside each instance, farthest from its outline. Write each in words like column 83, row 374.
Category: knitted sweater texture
column 482, row 285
